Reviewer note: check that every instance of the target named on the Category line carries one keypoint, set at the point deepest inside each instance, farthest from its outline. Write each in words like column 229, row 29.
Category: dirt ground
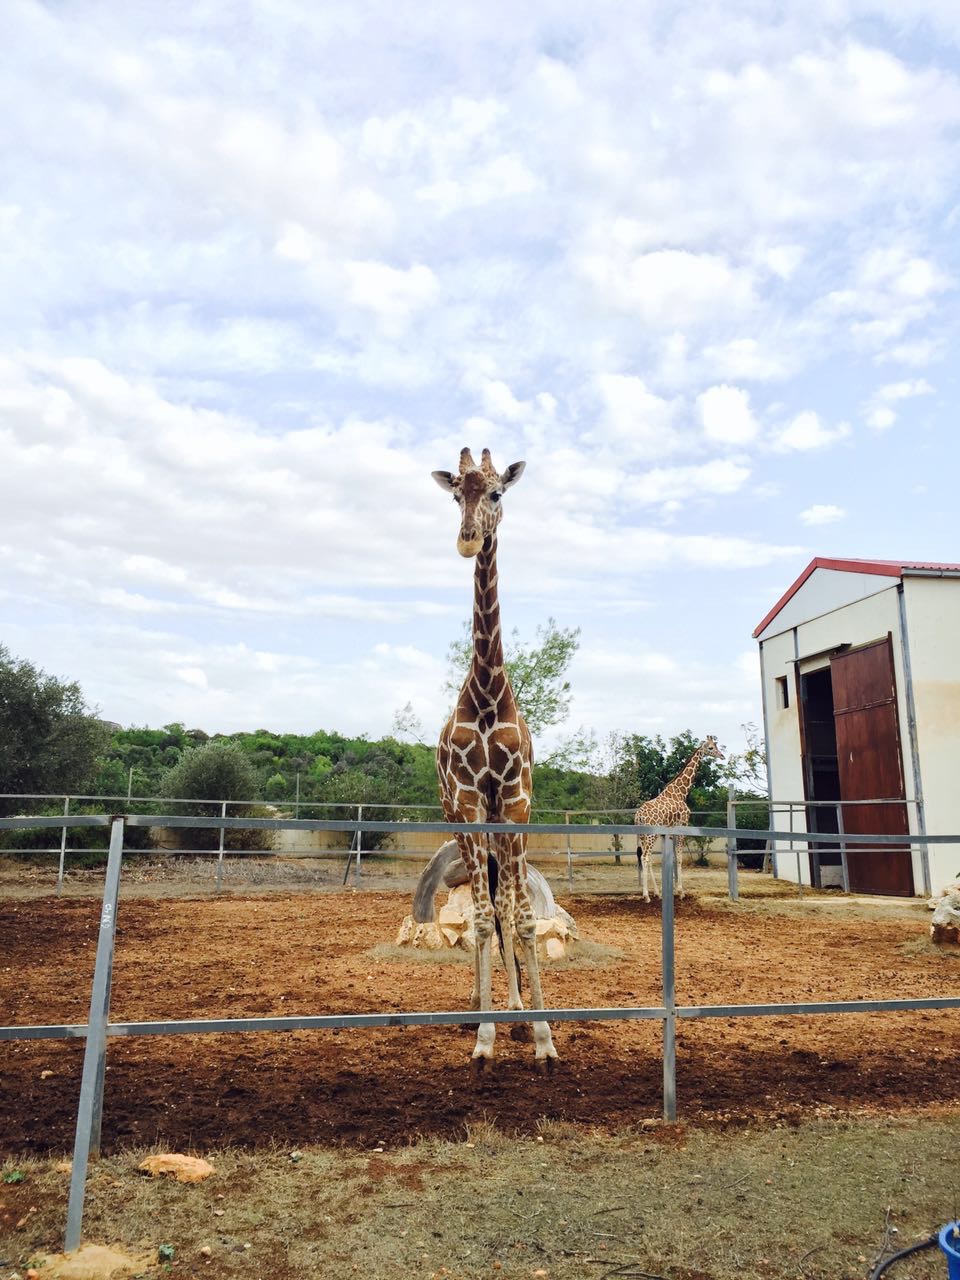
column 322, row 952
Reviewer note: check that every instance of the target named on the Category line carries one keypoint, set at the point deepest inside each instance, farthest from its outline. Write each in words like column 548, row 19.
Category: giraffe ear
column 444, row 479
column 512, row 474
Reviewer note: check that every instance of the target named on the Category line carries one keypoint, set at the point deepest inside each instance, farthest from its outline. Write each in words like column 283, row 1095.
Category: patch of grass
column 925, row 946
column 420, row 955
column 815, row 1202
column 588, row 955
column 584, row 955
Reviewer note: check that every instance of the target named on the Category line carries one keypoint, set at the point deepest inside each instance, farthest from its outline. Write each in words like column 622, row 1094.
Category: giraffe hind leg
column 645, row 853
column 526, row 928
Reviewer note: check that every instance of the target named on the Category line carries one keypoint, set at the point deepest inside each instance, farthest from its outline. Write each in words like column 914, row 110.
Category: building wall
column 933, row 628
column 857, row 622
column 824, row 591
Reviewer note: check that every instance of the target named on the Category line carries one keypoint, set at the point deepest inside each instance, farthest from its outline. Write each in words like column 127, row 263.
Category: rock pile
column 945, row 925
column 452, row 926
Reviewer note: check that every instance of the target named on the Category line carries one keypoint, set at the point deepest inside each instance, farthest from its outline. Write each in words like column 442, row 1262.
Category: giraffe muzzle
column 469, row 546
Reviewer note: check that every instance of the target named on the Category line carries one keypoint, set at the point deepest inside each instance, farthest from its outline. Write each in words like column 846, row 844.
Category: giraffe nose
column 469, row 546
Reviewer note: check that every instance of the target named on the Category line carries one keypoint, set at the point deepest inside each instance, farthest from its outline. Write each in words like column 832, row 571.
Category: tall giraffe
column 485, row 761
column 669, row 809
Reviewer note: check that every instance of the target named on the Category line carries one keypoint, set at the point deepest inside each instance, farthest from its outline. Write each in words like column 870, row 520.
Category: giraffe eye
column 495, row 497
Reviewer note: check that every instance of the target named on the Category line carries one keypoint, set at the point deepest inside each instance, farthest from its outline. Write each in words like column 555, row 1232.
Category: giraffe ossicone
column 485, row 760
column 670, row 809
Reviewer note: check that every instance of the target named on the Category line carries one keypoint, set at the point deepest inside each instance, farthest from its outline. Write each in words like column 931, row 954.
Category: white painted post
column 733, row 886
column 843, row 850
column 63, row 847
column 223, row 832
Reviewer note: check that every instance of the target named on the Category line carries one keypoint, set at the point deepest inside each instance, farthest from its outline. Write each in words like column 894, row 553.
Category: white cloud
column 259, row 305
column 807, row 431
column 905, row 390
column 667, row 288
column 668, row 484
column 890, row 289
column 822, row 513
column 635, row 420
column 726, row 416
column 746, row 358
column 392, row 294
column 878, row 412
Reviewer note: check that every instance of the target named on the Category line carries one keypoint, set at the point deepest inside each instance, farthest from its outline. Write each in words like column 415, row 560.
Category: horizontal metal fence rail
column 449, row 828
column 98, row 1029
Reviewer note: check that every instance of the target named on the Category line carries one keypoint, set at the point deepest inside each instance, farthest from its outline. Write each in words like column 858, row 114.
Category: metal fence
column 98, row 1028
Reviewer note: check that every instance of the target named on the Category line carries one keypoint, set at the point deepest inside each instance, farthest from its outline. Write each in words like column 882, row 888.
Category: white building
column 860, row 664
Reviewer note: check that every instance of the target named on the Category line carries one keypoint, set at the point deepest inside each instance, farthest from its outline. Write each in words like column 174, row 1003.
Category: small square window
column 783, row 693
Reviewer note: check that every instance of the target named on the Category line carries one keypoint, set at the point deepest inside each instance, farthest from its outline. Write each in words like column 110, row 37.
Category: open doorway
column 851, row 747
column 821, row 774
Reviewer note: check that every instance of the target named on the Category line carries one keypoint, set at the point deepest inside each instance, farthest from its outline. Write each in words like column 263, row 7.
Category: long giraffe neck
column 679, row 788
column 487, row 679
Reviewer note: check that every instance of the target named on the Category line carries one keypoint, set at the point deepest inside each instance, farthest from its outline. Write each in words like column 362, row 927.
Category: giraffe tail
column 493, row 875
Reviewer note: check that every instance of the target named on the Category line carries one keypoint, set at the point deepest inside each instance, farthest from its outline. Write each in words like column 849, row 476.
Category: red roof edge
column 888, row 568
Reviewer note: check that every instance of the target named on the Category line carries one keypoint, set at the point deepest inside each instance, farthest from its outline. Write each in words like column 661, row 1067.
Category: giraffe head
column 477, row 492
column 710, row 748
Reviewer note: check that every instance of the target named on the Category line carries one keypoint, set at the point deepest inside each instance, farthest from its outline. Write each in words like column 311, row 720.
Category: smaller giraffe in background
column 670, row 809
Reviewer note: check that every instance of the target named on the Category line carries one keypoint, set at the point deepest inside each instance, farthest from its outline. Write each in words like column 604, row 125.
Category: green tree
column 218, row 770
column 536, row 671
column 49, row 739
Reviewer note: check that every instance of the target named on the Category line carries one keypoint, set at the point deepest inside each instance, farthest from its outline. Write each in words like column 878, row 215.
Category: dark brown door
column 871, row 766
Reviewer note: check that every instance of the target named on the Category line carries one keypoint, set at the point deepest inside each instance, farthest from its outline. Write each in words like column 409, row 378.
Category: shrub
column 215, row 771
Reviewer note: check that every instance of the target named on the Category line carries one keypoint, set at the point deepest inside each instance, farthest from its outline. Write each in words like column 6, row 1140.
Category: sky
column 266, row 265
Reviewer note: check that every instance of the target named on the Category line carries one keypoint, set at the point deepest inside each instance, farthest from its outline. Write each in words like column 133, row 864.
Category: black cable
column 912, row 1248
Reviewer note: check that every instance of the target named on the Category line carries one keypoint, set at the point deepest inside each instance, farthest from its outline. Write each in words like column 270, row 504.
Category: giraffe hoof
column 545, row 1066
column 481, row 1066
column 520, row 1031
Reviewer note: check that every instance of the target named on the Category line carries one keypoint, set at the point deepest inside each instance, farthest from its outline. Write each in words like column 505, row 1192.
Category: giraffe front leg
column 483, row 927
column 506, row 909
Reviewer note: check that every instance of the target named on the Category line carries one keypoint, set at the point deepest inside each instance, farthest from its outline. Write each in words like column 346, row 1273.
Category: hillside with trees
column 51, row 742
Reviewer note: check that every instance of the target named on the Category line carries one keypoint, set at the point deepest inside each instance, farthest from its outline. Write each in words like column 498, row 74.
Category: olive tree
column 49, row 738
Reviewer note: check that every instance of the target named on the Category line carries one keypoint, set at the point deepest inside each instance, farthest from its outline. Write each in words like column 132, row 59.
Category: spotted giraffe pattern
column 485, row 759
column 670, row 809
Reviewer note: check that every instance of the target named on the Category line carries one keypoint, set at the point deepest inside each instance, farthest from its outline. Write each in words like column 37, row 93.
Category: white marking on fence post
column 90, row 1109
column 733, row 886
column 843, row 850
column 63, row 847
column 223, row 832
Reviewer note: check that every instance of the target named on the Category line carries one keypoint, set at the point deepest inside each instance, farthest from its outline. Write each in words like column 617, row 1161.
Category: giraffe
column 669, row 809
column 485, row 762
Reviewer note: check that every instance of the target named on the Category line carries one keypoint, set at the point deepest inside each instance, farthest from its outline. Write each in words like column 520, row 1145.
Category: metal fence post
column 223, row 832
column 356, row 875
column 90, row 1109
column 667, row 948
column 566, row 818
column 799, row 877
column 843, row 850
column 63, row 847
column 733, row 885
